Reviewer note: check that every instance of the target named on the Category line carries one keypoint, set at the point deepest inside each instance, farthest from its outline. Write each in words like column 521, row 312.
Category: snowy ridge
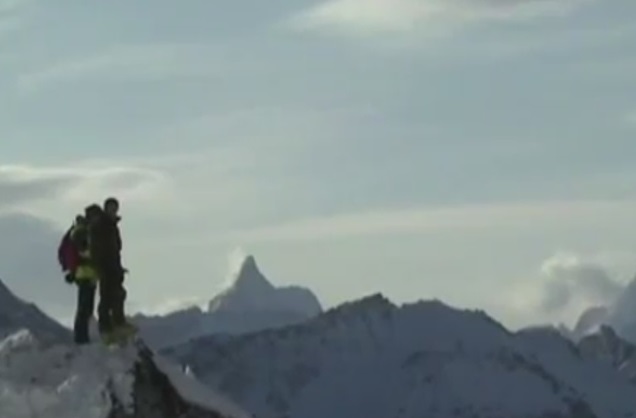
column 61, row 381
column 251, row 303
column 94, row 381
column 371, row 359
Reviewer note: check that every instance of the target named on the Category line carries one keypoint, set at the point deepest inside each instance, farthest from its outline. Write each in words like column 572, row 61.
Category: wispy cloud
column 417, row 220
column 144, row 62
column 30, row 188
column 566, row 285
column 571, row 278
column 372, row 16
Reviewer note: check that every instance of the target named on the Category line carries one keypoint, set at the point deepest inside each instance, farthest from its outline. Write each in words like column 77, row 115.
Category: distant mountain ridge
column 17, row 314
column 370, row 358
column 250, row 303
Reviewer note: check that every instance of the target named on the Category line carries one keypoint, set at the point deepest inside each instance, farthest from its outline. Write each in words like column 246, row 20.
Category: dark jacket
column 106, row 245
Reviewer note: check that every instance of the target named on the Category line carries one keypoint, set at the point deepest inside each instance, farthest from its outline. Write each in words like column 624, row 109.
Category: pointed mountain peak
column 250, row 291
column 250, row 276
column 4, row 289
column 8, row 299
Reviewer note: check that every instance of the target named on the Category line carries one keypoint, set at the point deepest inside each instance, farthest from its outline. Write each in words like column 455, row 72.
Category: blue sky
column 472, row 151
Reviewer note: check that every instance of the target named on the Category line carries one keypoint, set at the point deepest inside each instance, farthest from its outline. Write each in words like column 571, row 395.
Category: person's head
column 111, row 207
column 92, row 212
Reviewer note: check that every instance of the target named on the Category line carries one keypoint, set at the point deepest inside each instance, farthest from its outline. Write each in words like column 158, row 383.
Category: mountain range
column 365, row 358
column 371, row 358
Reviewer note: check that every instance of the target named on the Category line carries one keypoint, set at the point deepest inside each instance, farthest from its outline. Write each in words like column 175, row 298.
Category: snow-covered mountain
column 17, row 314
column 64, row 381
column 249, row 304
column 371, row 358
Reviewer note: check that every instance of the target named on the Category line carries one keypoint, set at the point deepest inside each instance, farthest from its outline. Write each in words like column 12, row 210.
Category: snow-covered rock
column 373, row 359
column 93, row 381
column 17, row 314
column 251, row 303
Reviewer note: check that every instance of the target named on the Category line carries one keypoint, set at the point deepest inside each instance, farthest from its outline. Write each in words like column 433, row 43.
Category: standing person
column 83, row 272
column 106, row 247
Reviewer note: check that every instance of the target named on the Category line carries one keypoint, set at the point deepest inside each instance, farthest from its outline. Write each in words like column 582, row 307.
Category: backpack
column 68, row 253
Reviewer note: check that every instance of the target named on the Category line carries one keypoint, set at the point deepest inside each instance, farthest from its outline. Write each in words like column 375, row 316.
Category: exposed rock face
column 155, row 396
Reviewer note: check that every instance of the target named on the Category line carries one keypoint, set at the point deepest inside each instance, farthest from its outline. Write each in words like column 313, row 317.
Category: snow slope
column 250, row 303
column 16, row 314
column 94, row 381
column 373, row 359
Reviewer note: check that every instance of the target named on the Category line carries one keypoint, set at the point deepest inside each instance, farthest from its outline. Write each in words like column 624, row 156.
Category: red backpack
column 67, row 253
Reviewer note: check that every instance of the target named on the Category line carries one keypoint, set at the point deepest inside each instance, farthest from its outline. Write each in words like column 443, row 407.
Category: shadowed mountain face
column 252, row 292
column 606, row 346
column 371, row 358
column 16, row 314
column 250, row 303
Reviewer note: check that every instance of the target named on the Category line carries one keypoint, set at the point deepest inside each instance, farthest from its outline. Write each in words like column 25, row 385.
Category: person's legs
column 104, row 310
column 119, row 301
column 118, row 314
column 84, row 312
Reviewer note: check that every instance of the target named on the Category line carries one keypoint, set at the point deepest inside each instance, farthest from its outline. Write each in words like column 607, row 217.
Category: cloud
column 145, row 62
column 572, row 281
column 418, row 220
column 395, row 16
column 38, row 190
column 566, row 285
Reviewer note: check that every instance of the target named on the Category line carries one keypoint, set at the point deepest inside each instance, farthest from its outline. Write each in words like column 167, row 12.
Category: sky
column 478, row 152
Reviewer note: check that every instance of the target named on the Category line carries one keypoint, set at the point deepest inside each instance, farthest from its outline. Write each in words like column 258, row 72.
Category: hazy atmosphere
column 478, row 152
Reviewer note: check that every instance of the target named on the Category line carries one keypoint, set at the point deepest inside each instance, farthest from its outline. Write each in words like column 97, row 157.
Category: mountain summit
column 250, row 303
column 251, row 291
column 249, row 280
